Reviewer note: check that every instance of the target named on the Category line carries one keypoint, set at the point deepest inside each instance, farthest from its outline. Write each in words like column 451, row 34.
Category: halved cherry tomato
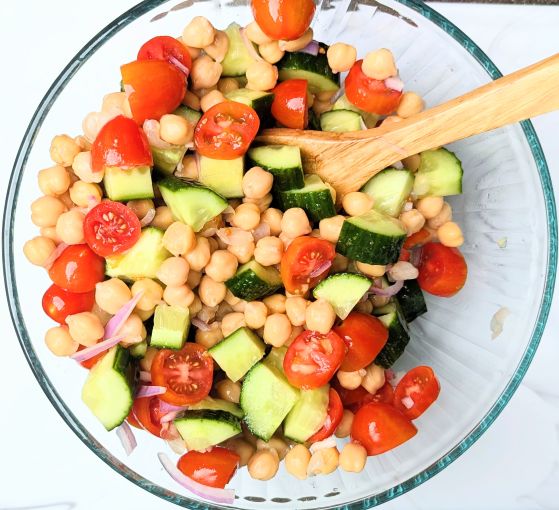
column 91, row 362
column 365, row 336
column 417, row 390
column 59, row 303
column 77, row 269
column 405, row 255
column 381, row 427
column 306, row 262
column 111, row 227
column 167, row 48
column 357, row 398
column 120, row 142
column 226, row 130
column 312, row 359
column 132, row 420
column 333, row 418
column 442, row 270
column 283, row 19
column 213, row 468
column 369, row 94
column 147, row 414
column 187, row 374
column 153, row 87
column 417, row 239
column 289, row 107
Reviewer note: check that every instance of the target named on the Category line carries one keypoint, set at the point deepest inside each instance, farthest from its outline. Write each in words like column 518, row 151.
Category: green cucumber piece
column 237, row 59
column 343, row 291
column 170, row 327
column 253, row 281
column 389, row 189
column 224, row 176
column 131, row 184
column 341, row 121
column 260, row 102
column 308, row 414
column 138, row 351
column 275, row 358
column 398, row 338
column 314, row 197
column 314, row 121
column 411, row 300
column 370, row 119
column 192, row 116
column 217, row 404
column 282, row 161
column 166, row 160
column 439, row 174
column 202, row 429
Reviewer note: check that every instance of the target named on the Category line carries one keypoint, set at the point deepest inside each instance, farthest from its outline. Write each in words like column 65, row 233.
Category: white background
column 515, row 465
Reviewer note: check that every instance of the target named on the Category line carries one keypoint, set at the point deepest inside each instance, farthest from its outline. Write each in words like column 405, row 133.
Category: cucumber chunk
column 275, row 358
column 123, row 185
column 253, row 281
column 389, row 189
column 341, row 121
column 224, row 176
column 217, row 404
column 398, row 338
column 170, row 327
column 138, row 351
column 266, row 398
column 237, row 59
column 282, row 161
column 109, row 388
column 237, row 353
column 167, row 160
column 308, row 414
column 411, row 300
column 343, row 291
column 260, row 102
column 192, row 116
column 373, row 238
column 439, row 174
column 202, row 429
column 342, row 103
column 140, row 261
column 314, row 197
column 190, row 202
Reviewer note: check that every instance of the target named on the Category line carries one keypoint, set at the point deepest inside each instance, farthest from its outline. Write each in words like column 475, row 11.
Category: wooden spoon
column 348, row 160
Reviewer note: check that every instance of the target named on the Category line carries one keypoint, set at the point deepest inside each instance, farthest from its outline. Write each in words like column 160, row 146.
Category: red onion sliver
column 224, row 496
column 250, row 47
column 127, row 438
column 166, row 418
column 200, row 324
column 150, row 391
column 179, row 65
column 145, row 376
column 262, row 230
column 54, row 255
column 318, row 270
column 234, row 236
column 116, row 322
column 98, row 348
column 394, row 83
column 148, row 218
column 390, row 291
column 151, row 129
column 165, row 407
column 311, row 48
column 177, row 445
column 415, row 257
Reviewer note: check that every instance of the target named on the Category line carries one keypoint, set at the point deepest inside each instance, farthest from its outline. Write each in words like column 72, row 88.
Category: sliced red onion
column 207, row 313
column 177, row 445
column 408, row 402
column 390, row 291
column 165, row 407
column 311, row 48
column 200, row 324
column 329, row 442
column 98, row 348
column 166, row 418
column 116, row 322
column 54, row 255
column 394, row 83
column 148, row 218
column 179, row 65
column 338, row 94
column 145, row 376
column 151, row 129
column 127, row 438
column 320, row 269
column 150, row 391
column 250, row 47
column 262, row 230
column 224, row 496
column 415, row 257
column 234, row 236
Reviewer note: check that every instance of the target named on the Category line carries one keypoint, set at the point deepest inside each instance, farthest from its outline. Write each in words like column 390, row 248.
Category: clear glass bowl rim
column 9, row 271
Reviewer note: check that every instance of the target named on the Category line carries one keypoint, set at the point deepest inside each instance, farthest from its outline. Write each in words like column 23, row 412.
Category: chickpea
column 69, row 227
column 364, row 307
column 205, row 72
column 330, row 228
column 92, row 124
column 240, row 306
column 243, row 252
column 242, row 448
column 179, row 238
column 209, row 338
column 59, row 341
column 82, row 168
column 320, row 316
column 228, row 390
column 450, row 234
column 152, row 293
column 222, row 265
column 231, row 299
column 132, row 331
column 295, row 223
column 269, row 251
column 247, row 216
column 373, row 270
column 211, row 99
column 410, row 104
column 173, row 271
column 277, row 329
column 38, row 250
column 444, row 216
column 297, row 461
column 339, row 264
column 50, row 232
column 261, row 76
column 175, row 129
column 232, row 322
column 255, row 314
column 54, row 180
column 199, row 33
column 295, row 332
column 84, row 193
column 275, row 303
column 263, row 465
column 191, row 100
column 111, row 295
column 83, row 142
column 412, row 162
column 271, row 52
column 46, row 210
column 350, row 380
column 179, row 295
column 256, row 34
column 262, row 203
column 195, row 306
column 199, row 256
column 430, row 207
column 373, row 379
column 257, row 183
column 193, row 279
column 273, row 218
column 323, row 461
column 403, row 270
column 353, row 458
column 103, row 316
column 379, row 64
column 299, row 43
column 275, row 443
column 218, row 48
column 357, row 203
column 341, row 57
column 344, row 427
column 63, row 150
column 112, row 103
column 188, row 169
column 140, row 207
column 379, row 301
column 295, row 308
column 413, row 220
column 210, row 292
column 147, row 360
column 320, row 107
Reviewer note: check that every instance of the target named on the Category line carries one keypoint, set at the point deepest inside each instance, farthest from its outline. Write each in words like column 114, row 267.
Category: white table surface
column 514, row 466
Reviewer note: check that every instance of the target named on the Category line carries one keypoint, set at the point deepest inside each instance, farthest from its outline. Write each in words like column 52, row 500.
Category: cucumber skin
column 166, row 160
column 284, row 178
column 214, row 415
column 249, row 286
column 411, row 300
column 398, row 339
column 317, row 204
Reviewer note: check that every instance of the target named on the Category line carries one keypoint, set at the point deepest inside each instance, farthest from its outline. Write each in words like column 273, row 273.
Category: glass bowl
column 507, row 213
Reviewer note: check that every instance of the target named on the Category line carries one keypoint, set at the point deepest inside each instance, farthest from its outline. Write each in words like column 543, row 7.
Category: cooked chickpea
column 403, row 270
column 211, row 99
column 69, row 227
column 264, row 464
column 147, row 360
column 205, row 72
column 38, row 250
column 152, row 293
column 261, row 76
column 373, row 379
column 350, row 380
column 173, row 271
column 257, row 183
column 199, row 256
column 256, row 34
column 262, row 203
column 63, row 150
column 83, row 194
column 299, row 43
column 111, row 295
column 330, row 228
column 222, row 265
column 295, row 332
column 247, row 216
column 271, row 52
column 277, row 329
column 103, row 316
column 295, row 308
column 191, row 100
column 255, row 314
column 112, row 103
column 193, row 279
column 273, row 218
column 323, row 462
column 240, row 306
column 297, row 461
column 275, row 443
column 357, row 203
column 210, row 292
column 379, row 301
column 218, row 48
column 82, row 168
column 179, row 239
column 199, row 33
column 412, row 162
column 232, row 322
column 133, row 330
column 275, row 303
column 175, row 129
column 226, row 85
column 60, row 342
column 92, row 124
column 410, row 104
column 444, row 216
column 269, row 251
column 413, row 220
column 295, row 223
column 344, row 427
column 46, row 210
column 364, row 307
column 320, row 316
column 178, row 295
column 373, row 270
column 243, row 252
column 209, row 338
column 189, row 168
column 353, row 458
column 195, row 306
column 430, row 207
column 66, row 200
column 341, row 57
column 242, row 448
column 379, row 64
column 339, row 264
column 54, row 180
column 228, row 390
column 50, row 232
column 140, row 207
column 450, row 235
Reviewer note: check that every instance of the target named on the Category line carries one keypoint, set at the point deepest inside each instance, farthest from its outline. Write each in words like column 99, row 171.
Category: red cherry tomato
column 121, row 143
column 418, row 239
column 365, row 336
column 369, row 94
column 306, row 262
column 153, row 87
column 167, row 48
column 147, row 414
column 357, row 398
column 289, row 107
column 283, row 19
column 187, row 374
column 226, row 130
column 59, row 303
column 213, row 468
column 442, row 270
column 111, row 228
column 380, row 428
column 417, row 390
column 77, row 269
column 132, row 420
column 333, row 418
column 312, row 359
column 91, row 362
